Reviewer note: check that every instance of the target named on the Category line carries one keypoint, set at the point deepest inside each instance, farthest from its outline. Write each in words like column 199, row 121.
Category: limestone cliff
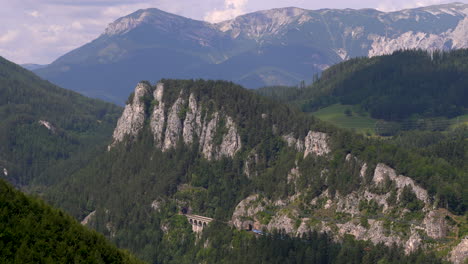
column 178, row 121
column 133, row 117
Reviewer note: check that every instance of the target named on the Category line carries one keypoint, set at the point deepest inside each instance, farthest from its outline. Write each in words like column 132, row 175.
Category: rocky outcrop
column 374, row 233
column 88, row 218
column 180, row 121
column 192, row 123
column 231, row 142
column 292, row 142
column 174, row 125
column 282, row 222
column 316, row 143
column 158, row 118
column 207, row 136
column 5, row 171
column 382, row 172
column 133, row 117
column 245, row 212
column 413, row 243
column 436, row 226
column 459, row 254
column 47, row 125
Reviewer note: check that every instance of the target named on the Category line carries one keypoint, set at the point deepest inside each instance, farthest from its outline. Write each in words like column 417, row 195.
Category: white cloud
column 34, row 13
column 9, row 36
column 232, row 8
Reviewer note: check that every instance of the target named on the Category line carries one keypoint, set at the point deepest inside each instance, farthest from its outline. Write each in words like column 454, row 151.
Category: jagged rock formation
column 382, row 171
column 133, row 117
column 180, row 121
column 158, row 118
column 314, row 142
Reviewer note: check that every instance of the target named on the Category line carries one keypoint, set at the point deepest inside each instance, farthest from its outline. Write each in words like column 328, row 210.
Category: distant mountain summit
column 271, row 47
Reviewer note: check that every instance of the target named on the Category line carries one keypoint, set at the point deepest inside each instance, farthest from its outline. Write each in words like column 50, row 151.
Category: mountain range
column 278, row 46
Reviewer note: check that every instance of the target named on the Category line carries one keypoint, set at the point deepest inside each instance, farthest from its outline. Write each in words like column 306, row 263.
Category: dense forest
column 404, row 85
column 152, row 185
column 33, row 232
column 78, row 126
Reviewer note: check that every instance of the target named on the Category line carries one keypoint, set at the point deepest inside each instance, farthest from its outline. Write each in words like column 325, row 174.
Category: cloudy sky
column 39, row 31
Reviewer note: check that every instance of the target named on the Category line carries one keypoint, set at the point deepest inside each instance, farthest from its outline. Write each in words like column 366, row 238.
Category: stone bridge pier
column 198, row 222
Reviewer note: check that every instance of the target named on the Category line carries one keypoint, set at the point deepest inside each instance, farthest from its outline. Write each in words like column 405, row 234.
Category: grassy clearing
column 349, row 117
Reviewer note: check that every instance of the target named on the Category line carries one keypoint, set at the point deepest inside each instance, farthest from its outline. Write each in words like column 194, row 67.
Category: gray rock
column 436, row 226
column 316, row 143
column 459, row 254
column 133, row 117
column 207, row 136
column 158, row 118
column 231, row 143
column 192, row 122
column 174, row 125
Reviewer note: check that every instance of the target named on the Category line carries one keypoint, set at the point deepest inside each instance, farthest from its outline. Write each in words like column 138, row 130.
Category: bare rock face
column 174, row 125
column 88, row 218
column 413, row 243
column 459, row 254
column 192, row 123
column 5, row 171
column 282, row 222
column 292, row 142
column 231, row 143
column 382, row 171
column 316, row 143
column 207, row 136
column 245, row 211
column 133, row 117
column 375, row 233
column 436, row 226
column 158, row 118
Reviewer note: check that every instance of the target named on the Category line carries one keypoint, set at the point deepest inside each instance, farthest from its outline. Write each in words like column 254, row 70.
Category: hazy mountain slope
column 220, row 151
column 34, row 232
column 278, row 46
column 43, row 125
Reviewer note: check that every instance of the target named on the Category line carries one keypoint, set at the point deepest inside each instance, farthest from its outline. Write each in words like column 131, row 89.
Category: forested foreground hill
column 33, row 232
column 215, row 149
column 43, row 126
column 407, row 85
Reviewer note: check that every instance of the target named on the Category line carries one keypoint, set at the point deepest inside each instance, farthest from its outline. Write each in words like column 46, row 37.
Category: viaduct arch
column 198, row 222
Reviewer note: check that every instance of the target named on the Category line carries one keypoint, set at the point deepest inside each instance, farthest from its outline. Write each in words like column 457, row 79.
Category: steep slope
column 42, row 126
column 214, row 149
column 278, row 46
column 33, row 232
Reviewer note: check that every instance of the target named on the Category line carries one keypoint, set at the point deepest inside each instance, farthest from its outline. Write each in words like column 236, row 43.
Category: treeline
column 33, row 232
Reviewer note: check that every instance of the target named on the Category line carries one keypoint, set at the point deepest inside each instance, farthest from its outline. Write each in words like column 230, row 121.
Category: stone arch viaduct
column 198, row 222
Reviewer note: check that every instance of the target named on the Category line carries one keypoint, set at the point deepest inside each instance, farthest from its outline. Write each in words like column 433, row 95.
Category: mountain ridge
column 279, row 46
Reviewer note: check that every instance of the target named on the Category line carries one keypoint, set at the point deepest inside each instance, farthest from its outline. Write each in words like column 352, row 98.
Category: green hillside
column 136, row 190
column 406, row 90
column 78, row 126
column 33, row 232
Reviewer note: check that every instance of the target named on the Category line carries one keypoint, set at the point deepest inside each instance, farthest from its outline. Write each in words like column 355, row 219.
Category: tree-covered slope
column 215, row 149
column 403, row 86
column 33, row 232
column 42, row 125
